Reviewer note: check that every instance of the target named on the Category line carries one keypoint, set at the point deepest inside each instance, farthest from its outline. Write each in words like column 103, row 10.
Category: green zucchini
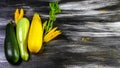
column 22, row 33
column 11, row 48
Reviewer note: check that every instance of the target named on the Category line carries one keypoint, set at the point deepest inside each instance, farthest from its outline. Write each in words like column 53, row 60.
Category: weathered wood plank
column 90, row 38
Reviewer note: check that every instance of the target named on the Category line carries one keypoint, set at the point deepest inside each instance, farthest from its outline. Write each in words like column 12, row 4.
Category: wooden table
column 90, row 34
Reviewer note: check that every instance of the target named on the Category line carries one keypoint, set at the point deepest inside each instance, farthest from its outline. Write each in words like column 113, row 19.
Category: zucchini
column 22, row 32
column 11, row 48
column 35, row 37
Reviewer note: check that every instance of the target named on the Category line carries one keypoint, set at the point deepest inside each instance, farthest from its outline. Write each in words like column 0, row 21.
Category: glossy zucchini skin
column 22, row 29
column 35, row 37
column 11, row 48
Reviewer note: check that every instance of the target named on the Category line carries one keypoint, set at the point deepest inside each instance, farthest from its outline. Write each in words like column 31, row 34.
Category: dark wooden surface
column 98, row 20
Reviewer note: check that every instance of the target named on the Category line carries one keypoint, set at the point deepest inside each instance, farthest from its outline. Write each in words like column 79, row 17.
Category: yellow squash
column 35, row 37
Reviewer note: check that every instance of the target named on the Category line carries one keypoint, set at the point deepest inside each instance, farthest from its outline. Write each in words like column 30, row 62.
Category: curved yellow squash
column 35, row 37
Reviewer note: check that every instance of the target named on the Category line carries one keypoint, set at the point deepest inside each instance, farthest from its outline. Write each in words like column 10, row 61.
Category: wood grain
column 90, row 34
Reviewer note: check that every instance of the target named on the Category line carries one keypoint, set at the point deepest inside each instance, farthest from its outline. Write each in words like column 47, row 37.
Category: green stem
column 52, row 15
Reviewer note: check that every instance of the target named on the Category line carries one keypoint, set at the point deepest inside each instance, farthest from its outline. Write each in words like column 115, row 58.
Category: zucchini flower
column 51, row 34
column 18, row 15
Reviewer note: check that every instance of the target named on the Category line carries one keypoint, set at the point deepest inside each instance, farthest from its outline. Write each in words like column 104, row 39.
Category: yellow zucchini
column 35, row 37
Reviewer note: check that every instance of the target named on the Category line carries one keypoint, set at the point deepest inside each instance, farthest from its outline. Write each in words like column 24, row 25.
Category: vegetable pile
column 29, row 37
